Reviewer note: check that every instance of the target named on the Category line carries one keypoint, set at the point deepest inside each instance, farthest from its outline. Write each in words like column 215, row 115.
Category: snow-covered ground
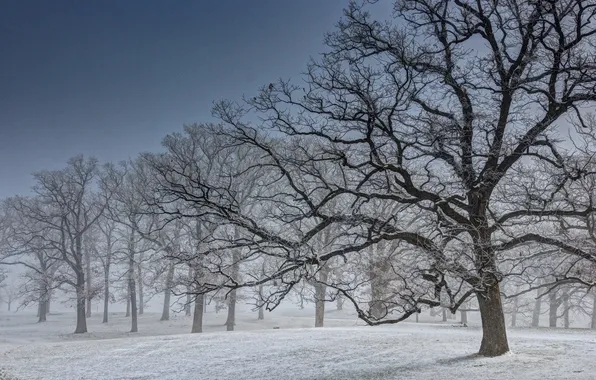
column 344, row 350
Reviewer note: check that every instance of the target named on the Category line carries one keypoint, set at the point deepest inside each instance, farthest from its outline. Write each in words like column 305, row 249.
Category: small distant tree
column 25, row 245
column 10, row 294
column 126, row 210
column 67, row 204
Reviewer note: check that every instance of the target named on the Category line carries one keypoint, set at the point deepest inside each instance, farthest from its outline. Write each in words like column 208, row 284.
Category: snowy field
column 344, row 350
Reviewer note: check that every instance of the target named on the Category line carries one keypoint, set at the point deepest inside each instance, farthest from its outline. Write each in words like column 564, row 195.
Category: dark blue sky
column 110, row 78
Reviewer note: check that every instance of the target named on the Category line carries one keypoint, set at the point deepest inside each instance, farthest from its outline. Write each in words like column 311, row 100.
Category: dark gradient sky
column 110, row 78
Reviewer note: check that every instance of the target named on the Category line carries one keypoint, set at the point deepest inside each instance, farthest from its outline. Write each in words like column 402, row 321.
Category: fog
column 405, row 189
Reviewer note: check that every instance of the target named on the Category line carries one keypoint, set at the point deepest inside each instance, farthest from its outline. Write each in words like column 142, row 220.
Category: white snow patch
column 403, row 351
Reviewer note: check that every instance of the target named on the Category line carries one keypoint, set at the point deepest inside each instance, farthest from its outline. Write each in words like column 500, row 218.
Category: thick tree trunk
column 88, row 283
column 165, row 315
column 494, row 329
column 197, row 320
column 553, row 307
column 444, row 315
column 464, row 317
column 537, row 309
column 81, row 298
column 494, row 333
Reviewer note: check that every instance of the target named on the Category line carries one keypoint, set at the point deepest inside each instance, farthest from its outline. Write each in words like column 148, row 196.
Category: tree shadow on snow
column 460, row 359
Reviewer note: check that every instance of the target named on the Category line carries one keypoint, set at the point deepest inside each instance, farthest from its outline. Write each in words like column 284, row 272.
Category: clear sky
column 110, row 78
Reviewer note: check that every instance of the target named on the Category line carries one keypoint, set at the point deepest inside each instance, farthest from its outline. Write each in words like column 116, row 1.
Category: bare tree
column 9, row 293
column 448, row 117
column 66, row 207
column 23, row 245
column 410, row 117
column 201, row 151
column 127, row 210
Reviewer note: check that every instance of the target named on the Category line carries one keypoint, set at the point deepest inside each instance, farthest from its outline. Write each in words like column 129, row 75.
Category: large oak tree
column 453, row 114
